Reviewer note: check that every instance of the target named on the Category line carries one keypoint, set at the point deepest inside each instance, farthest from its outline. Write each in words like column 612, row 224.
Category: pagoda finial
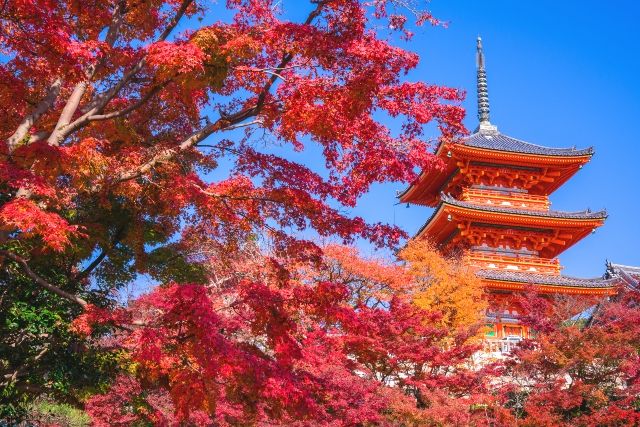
column 483, row 92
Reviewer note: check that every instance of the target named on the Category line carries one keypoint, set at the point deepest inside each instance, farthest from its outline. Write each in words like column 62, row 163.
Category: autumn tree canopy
column 166, row 141
column 146, row 139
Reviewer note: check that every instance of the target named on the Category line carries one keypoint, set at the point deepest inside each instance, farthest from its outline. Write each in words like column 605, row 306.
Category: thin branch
column 167, row 154
column 116, row 239
column 41, row 282
column 226, row 122
column 21, row 370
column 143, row 100
column 10, row 378
column 96, row 262
column 261, row 70
column 242, row 125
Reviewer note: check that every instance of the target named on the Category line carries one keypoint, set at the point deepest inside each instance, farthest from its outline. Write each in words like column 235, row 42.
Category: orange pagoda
column 491, row 199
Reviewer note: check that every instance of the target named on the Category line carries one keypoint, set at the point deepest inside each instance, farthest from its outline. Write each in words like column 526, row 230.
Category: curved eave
column 427, row 188
column 602, row 287
column 440, row 229
column 522, row 159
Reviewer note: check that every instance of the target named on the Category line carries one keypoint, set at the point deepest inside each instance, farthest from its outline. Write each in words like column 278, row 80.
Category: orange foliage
column 369, row 277
column 444, row 284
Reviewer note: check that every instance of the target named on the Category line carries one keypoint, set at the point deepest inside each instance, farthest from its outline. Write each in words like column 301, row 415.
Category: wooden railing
column 516, row 263
column 507, row 198
column 499, row 346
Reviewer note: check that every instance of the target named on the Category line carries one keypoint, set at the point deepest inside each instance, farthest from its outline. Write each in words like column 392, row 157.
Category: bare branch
column 41, row 282
column 96, row 262
column 86, row 119
column 242, row 125
column 10, row 378
column 169, row 153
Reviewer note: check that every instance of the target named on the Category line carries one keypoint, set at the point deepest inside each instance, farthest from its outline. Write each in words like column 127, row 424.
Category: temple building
column 628, row 276
column 491, row 200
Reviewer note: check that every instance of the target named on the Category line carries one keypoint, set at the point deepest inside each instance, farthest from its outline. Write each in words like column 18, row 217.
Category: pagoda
column 491, row 200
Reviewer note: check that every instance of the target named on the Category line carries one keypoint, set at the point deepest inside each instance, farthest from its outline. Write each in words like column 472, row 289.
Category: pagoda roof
column 499, row 142
column 546, row 279
column 444, row 225
column 586, row 214
column 630, row 275
column 493, row 149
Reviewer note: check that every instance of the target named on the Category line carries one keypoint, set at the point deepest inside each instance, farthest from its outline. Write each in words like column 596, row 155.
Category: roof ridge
column 544, row 146
column 623, row 266
column 526, row 147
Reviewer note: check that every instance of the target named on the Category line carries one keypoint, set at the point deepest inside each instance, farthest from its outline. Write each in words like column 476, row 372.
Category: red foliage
column 25, row 216
column 578, row 374
column 122, row 156
column 293, row 352
column 315, row 82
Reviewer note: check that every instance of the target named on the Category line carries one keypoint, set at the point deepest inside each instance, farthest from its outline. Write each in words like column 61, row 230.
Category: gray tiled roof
column 500, row 142
column 546, row 279
column 629, row 269
column 629, row 274
column 505, row 209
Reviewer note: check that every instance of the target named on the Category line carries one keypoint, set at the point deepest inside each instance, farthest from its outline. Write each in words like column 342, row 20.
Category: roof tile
column 546, row 279
column 587, row 214
column 498, row 141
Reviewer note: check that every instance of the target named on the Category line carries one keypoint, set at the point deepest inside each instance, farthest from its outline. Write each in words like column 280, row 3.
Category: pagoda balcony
column 517, row 263
column 504, row 316
column 506, row 198
column 497, row 346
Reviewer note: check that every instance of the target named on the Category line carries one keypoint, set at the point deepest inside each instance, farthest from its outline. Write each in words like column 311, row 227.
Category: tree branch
column 226, row 122
column 41, row 282
column 10, row 378
column 167, row 154
column 67, row 112
column 101, row 101
column 42, row 107
column 116, row 239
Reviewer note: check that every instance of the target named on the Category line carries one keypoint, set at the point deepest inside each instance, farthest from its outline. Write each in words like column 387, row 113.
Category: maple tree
column 286, row 348
column 580, row 371
column 143, row 140
column 140, row 141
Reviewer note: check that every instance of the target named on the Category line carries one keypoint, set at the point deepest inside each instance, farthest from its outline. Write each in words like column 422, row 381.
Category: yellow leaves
column 216, row 64
column 445, row 285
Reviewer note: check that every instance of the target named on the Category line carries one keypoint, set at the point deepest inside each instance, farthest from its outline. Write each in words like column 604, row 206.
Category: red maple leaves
column 139, row 144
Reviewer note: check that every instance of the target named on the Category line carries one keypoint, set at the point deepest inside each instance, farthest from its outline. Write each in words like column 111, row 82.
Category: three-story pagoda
column 492, row 200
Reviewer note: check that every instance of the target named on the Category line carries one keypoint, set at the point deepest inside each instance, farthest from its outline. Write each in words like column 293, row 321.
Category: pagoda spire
column 485, row 125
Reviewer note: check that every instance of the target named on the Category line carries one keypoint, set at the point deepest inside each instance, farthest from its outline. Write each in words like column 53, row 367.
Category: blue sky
column 559, row 74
